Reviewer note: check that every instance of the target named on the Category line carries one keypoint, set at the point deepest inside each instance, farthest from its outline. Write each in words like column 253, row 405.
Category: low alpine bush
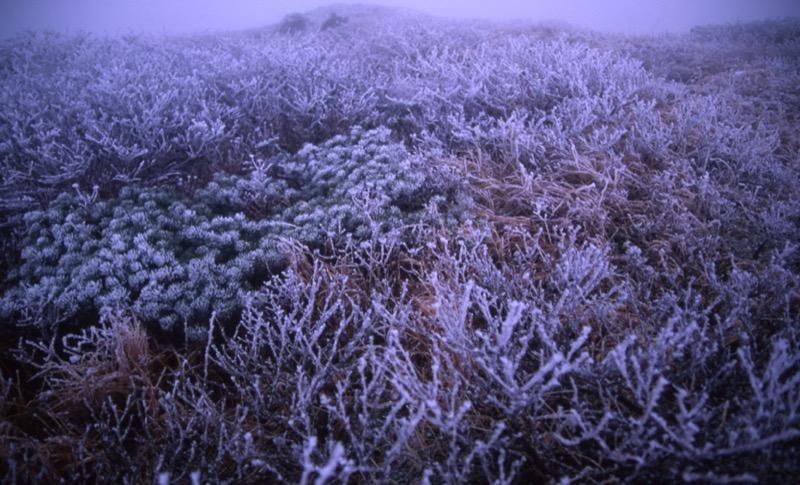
column 177, row 260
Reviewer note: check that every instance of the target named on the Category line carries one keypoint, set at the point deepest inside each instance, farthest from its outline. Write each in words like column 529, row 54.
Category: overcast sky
column 639, row 16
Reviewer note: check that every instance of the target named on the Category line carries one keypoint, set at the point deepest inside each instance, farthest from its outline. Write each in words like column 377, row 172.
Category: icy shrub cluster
column 776, row 32
column 176, row 260
column 116, row 111
column 171, row 260
column 361, row 184
column 474, row 372
column 710, row 50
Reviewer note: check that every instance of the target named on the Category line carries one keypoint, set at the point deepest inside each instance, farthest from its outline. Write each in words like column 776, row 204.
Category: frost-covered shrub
column 171, row 260
column 125, row 110
column 547, row 364
column 360, row 184
column 363, row 183
column 176, row 260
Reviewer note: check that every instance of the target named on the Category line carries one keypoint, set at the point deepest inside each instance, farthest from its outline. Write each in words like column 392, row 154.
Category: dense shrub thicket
column 401, row 250
column 175, row 261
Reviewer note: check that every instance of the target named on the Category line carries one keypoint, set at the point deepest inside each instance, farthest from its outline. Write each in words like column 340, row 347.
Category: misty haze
column 421, row 242
column 181, row 16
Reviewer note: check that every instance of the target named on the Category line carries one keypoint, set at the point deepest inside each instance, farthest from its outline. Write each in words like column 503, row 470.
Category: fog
column 178, row 16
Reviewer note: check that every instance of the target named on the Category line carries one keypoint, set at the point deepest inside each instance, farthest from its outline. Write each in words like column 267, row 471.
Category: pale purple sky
column 637, row 16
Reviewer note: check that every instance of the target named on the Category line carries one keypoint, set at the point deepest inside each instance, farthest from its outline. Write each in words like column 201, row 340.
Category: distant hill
column 370, row 17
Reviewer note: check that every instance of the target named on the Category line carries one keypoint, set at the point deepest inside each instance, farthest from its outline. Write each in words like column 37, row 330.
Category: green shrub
column 172, row 260
column 177, row 260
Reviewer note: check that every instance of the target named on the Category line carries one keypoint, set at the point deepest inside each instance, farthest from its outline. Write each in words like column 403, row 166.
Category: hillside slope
column 401, row 249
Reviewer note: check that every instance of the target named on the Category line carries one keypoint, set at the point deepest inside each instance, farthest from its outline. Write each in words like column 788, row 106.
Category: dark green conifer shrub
column 176, row 260
column 170, row 259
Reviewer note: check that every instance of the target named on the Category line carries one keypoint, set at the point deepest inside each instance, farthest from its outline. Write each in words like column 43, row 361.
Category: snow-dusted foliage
column 345, row 371
column 172, row 261
column 402, row 250
column 175, row 260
